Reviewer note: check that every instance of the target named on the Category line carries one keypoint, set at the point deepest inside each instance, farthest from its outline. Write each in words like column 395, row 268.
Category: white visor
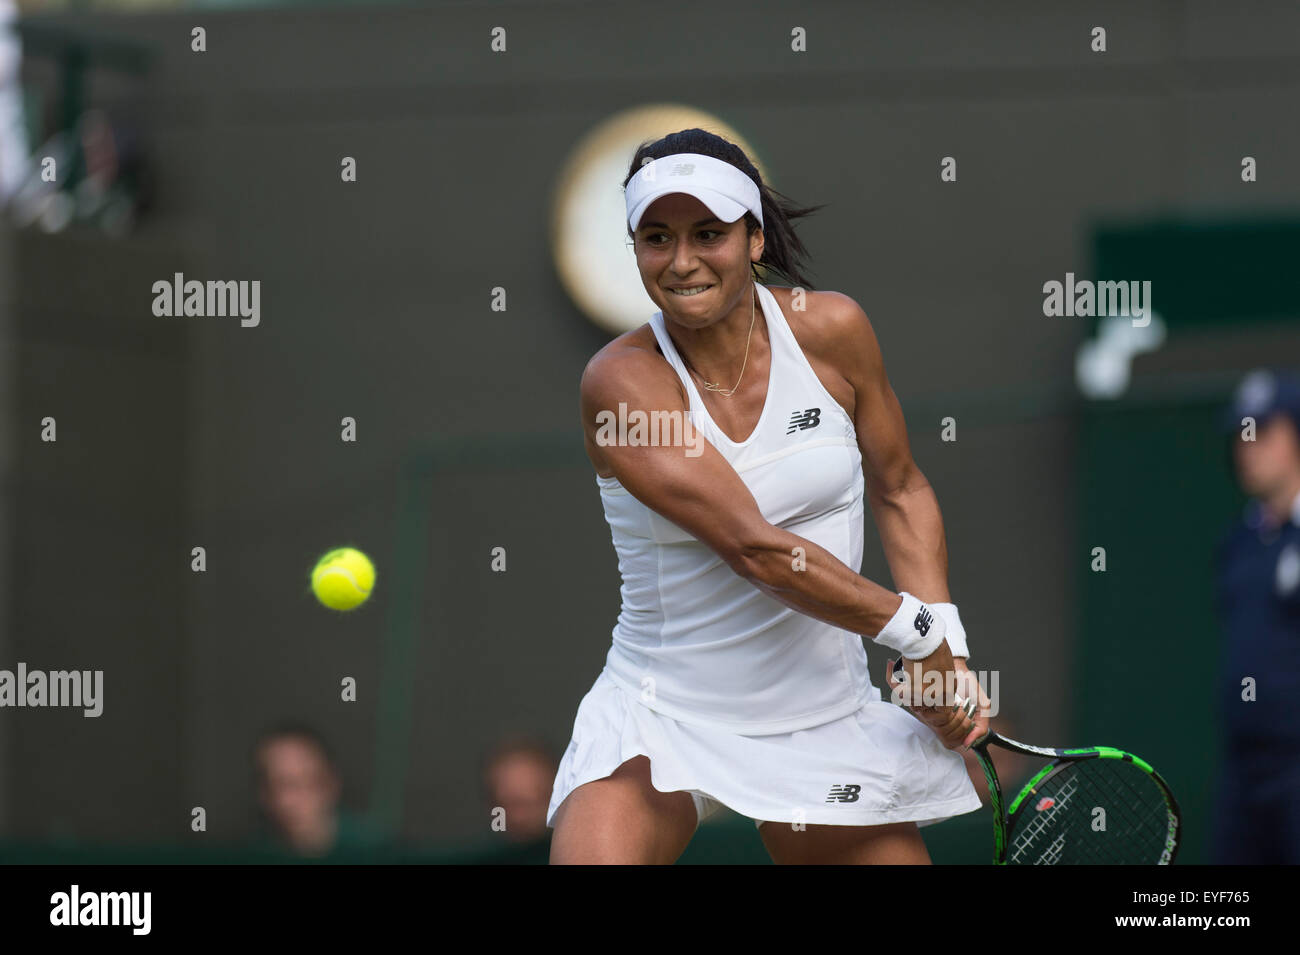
column 727, row 191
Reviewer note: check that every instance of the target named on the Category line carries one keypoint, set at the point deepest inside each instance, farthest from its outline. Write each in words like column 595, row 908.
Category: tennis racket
column 1091, row 806
column 1096, row 805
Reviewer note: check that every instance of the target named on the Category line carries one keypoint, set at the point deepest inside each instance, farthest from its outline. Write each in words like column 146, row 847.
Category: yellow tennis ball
column 343, row 578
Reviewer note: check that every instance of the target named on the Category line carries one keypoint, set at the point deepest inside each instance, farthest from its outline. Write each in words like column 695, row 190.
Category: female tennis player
column 737, row 675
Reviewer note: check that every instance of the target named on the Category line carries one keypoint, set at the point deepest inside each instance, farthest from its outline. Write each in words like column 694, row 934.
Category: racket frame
column 1004, row 818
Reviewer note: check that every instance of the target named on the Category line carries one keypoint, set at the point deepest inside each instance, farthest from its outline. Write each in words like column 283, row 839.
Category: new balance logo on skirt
column 846, row 792
column 803, row 420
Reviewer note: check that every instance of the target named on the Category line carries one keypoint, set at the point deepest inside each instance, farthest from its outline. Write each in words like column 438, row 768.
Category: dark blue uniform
column 1258, row 596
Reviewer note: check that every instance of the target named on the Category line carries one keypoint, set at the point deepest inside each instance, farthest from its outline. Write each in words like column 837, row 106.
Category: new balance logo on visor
column 803, row 420
column 846, row 792
column 923, row 620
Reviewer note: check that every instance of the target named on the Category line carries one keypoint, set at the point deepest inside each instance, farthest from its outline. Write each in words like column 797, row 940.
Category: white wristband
column 956, row 633
column 914, row 630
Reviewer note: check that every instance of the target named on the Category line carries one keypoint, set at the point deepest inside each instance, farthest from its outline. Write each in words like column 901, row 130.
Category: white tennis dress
column 733, row 696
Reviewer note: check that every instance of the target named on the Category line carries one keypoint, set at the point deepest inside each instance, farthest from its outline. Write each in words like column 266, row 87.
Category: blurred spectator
column 299, row 789
column 1257, row 815
column 517, row 778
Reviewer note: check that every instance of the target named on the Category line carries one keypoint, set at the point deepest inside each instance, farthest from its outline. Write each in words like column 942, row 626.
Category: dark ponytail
column 783, row 252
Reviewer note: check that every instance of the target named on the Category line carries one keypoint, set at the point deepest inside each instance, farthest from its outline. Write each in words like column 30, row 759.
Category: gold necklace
column 725, row 392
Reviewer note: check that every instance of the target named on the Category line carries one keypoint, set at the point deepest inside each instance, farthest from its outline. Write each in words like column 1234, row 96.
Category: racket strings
column 1141, row 819
column 1128, row 819
column 1055, row 824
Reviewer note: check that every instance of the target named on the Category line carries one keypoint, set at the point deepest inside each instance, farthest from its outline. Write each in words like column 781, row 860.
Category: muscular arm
column 902, row 502
column 705, row 497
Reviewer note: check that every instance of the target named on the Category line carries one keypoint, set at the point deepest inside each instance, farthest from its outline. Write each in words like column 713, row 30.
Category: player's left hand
column 948, row 717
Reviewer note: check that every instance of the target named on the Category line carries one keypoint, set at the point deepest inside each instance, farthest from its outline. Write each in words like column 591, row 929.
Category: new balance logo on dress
column 803, row 420
column 923, row 621
column 846, row 792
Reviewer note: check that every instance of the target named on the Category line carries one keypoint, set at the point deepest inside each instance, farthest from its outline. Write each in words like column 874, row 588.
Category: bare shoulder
column 630, row 363
column 831, row 327
column 822, row 318
column 629, row 369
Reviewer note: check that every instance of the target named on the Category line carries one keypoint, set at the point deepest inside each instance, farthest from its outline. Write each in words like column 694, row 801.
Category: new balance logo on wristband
column 923, row 620
column 848, row 792
column 803, row 420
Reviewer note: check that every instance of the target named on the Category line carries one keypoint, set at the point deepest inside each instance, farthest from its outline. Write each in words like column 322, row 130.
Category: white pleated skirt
column 878, row 765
